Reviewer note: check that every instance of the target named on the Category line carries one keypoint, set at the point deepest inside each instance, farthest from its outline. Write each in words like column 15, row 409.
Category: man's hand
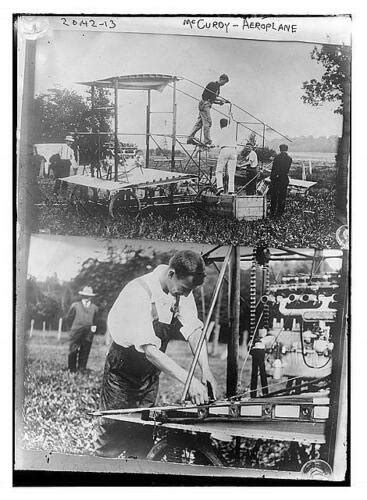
column 93, row 329
column 208, row 377
column 198, row 393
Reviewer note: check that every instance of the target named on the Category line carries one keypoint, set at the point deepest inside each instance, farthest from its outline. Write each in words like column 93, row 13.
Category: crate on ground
column 242, row 207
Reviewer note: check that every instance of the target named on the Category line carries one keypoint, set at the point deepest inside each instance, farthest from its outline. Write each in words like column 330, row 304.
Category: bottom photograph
column 183, row 359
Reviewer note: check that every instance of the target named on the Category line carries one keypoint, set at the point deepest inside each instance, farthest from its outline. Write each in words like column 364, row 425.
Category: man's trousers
column 122, row 390
column 204, row 121
column 278, row 191
column 79, row 349
column 227, row 156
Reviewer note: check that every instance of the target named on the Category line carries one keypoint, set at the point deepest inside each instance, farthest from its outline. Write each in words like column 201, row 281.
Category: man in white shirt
column 251, row 166
column 141, row 322
column 227, row 155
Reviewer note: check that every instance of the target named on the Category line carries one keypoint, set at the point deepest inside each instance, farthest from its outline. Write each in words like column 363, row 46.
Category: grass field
column 56, row 402
column 314, row 213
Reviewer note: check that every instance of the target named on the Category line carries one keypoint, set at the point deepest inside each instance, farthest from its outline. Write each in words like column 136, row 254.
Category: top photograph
column 181, row 137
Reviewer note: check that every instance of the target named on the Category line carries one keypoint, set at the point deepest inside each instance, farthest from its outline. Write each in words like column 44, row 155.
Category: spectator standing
column 279, row 181
column 65, row 160
column 82, row 321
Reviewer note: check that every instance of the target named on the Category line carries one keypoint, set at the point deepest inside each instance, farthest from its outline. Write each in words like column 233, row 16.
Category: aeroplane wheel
column 124, row 203
column 184, row 451
column 317, row 469
column 205, row 191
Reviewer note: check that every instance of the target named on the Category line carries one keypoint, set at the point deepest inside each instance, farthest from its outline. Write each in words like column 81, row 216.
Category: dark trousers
column 278, row 196
column 79, row 349
column 62, row 169
column 258, row 365
column 122, row 390
column 251, row 188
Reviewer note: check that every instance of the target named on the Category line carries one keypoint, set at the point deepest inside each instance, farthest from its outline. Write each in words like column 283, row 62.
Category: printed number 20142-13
column 89, row 23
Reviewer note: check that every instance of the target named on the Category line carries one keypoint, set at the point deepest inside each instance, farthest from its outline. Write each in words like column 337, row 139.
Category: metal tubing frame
column 116, row 148
column 341, row 330
column 147, row 130
column 242, row 109
column 206, row 325
column 174, row 125
column 234, row 338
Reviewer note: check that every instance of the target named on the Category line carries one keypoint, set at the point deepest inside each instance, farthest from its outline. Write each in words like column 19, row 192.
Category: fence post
column 44, row 327
column 303, row 171
column 31, row 330
column 59, row 330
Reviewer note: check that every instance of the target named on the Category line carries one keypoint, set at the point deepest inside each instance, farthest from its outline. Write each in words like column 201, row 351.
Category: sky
column 64, row 255
column 265, row 77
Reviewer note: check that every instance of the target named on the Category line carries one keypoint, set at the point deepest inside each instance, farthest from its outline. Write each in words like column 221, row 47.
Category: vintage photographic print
column 181, row 146
column 262, row 328
column 182, row 284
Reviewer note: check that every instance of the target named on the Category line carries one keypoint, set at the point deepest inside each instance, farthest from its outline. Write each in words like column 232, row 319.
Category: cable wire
column 244, row 111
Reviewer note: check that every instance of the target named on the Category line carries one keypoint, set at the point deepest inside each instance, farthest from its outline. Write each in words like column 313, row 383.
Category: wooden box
column 241, row 207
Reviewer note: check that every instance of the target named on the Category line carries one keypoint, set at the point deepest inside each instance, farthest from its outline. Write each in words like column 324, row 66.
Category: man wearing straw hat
column 82, row 318
column 65, row 161
column 145, row 316
column 67, row 157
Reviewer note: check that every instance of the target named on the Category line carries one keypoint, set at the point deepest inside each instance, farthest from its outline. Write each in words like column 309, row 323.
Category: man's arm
column 95, row 319
column 197, row 391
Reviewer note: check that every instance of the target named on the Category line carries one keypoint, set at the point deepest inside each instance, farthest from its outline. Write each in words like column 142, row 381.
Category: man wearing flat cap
column 209, row 97
column 279, row 181
column 82, row 321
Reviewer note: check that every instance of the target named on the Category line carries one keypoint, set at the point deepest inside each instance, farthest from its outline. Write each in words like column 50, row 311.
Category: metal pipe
column 234, row 339
column 116, row 131
column 206, row 325
column 338, row 384
column 147, row 135
column 174, row 123
column 238, row 107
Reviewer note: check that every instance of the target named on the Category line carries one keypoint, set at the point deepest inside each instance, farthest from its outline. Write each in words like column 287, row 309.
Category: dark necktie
column 174, row 308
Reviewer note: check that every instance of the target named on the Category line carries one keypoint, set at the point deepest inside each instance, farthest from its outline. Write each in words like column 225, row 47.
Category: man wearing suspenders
column 141, row 322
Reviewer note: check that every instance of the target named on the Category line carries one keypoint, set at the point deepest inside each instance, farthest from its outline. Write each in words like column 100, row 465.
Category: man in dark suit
column 279, row 181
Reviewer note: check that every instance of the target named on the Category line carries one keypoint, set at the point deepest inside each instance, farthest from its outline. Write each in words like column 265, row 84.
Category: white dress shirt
column 130, row 318
column 252, row 158
column 66, row 153
column 227, row 136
